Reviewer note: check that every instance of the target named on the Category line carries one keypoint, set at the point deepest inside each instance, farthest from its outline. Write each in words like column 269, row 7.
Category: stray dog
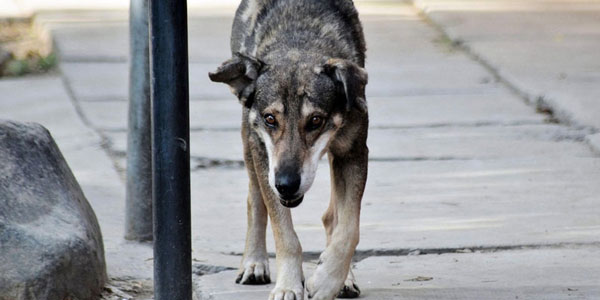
column 298, row 71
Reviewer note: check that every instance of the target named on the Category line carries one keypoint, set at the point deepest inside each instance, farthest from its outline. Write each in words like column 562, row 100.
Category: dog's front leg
column 348, row 178
column 255, row 263
column 290, row 280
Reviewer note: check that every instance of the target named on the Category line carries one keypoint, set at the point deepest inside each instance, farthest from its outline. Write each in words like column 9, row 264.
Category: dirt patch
column 204, row 269
column 420, row 278
column 24, row 48
column 128, row 289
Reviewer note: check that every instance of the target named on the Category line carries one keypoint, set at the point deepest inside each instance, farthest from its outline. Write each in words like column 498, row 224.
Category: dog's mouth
column 291, row 203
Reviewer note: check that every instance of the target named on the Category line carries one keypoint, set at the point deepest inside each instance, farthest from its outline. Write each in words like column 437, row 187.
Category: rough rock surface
column 50, row 241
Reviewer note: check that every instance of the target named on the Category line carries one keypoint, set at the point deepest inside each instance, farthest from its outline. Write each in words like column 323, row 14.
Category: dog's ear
column 351, row 80
column 240, row 73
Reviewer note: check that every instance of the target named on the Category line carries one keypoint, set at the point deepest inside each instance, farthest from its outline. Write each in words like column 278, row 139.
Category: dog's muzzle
column 287, row 184
column 291, row 203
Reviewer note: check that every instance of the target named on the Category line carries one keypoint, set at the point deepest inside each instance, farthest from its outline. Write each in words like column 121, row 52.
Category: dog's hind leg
column 348, row 178
column 350, row 288
column 255, row 263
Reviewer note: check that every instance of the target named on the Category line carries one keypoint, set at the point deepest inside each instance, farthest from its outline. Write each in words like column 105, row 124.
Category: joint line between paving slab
column 95, row 59
column 459, row 44
column 464, row 124
column 380, row 127
column 360, row 255
column 105, row 142
column 540, row 102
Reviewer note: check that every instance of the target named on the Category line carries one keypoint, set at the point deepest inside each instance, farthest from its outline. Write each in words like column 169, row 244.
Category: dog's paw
column 322, row 286
column 287, row 294
column 254, row 272
column 350, row 290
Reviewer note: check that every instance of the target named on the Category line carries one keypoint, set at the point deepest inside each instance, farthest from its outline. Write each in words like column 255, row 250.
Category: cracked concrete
column 468, row 184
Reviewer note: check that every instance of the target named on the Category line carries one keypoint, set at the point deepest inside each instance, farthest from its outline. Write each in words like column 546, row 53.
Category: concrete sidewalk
column 472, row 193
column 546, row 50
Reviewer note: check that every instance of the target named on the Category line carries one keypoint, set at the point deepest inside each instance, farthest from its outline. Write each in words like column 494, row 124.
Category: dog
column 297, row 68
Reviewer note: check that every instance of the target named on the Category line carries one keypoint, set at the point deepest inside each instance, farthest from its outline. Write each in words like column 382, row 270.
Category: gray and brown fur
column 300, row 64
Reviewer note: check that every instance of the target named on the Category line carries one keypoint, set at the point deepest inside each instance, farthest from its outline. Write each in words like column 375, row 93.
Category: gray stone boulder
column 50, row 242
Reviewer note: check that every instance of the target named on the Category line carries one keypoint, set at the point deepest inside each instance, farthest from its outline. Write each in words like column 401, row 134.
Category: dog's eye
column 315, row 122
column 270, row 120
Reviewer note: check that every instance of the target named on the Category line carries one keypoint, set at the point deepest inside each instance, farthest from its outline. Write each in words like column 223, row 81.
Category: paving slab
column 204, row 144
column 109, row 81
column 478, row 142
column 549, row 51
column 196, row 7
column 104, row 36
column 403, row 72
column 89, row 39
column 564, row 273
column 419, row 65
column 408, row 111
column 47, row 104
column 410, row 69
column 209, row 39
column 97, row 81
column 439, row 110
column 442, row 143
column 427, row 204
column 209, row 114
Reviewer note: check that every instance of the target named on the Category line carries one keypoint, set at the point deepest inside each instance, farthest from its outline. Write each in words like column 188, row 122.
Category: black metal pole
column 138, row 204
column 170, row 153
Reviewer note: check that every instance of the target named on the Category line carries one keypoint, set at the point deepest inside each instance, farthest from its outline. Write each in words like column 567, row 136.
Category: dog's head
column 296, row 107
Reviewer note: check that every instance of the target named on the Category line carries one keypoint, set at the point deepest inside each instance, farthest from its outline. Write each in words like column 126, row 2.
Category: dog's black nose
column 287, row 184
